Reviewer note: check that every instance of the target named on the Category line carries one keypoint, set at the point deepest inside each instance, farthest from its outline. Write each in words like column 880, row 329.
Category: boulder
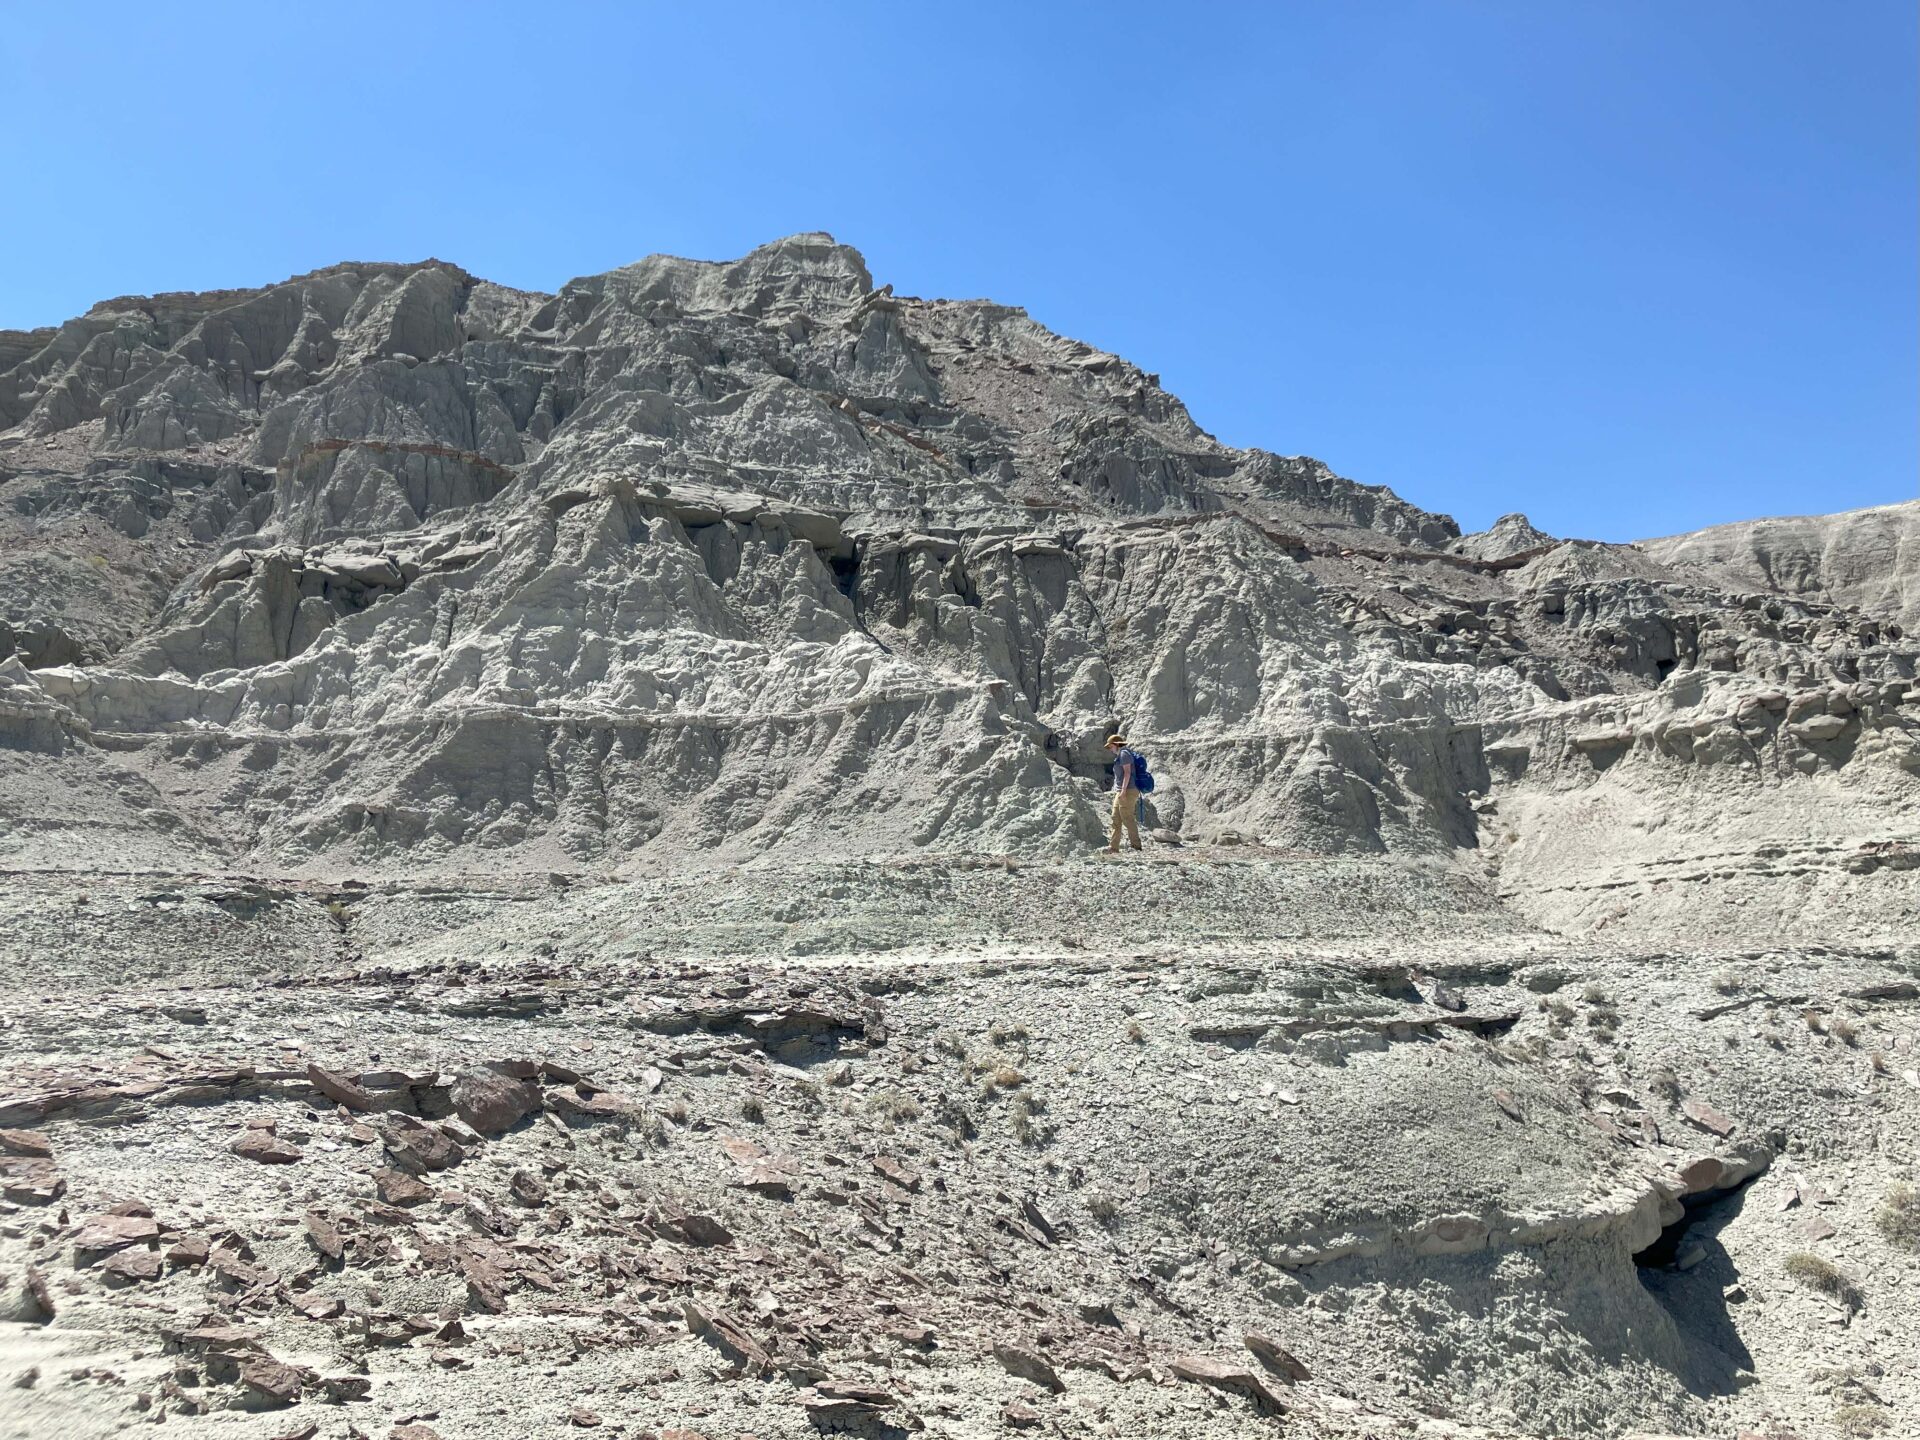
column 493, row 1103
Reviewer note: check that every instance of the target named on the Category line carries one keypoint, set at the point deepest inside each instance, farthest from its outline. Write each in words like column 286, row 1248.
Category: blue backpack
column 1142, row 777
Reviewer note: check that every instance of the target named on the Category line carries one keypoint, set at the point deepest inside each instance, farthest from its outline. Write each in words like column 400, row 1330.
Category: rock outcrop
column 1863, row 559
column 549, row 887
column 390, row 566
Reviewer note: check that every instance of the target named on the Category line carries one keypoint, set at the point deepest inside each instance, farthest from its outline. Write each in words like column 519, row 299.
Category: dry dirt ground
column 362, row 1158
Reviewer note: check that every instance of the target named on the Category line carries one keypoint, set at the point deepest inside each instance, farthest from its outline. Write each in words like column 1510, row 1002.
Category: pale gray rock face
column 642, row 747
column 1506, row 538
column 1865, row 559
column 736, row 559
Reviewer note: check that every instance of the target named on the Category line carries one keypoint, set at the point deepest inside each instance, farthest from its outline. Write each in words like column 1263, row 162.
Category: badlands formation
column 550, row 887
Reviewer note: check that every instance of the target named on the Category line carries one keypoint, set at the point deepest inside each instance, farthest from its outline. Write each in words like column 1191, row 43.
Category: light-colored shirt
column 1123, row 771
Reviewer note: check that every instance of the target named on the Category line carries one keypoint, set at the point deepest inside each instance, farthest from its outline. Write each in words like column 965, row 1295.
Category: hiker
column 1126, row 793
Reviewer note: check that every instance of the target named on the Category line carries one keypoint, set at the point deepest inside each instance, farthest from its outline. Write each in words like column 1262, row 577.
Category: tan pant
column 1126, row 804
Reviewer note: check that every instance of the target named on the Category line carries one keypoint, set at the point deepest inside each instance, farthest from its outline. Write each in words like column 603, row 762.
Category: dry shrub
column 952, row 1115
column 894, row 1106
column 1898, row 1217
column 1822, row 1275
column 1028, row 1127
column 1861, row 1422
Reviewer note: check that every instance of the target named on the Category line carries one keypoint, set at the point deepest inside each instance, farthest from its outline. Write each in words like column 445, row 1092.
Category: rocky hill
column 552, row 836
column 1865, row 559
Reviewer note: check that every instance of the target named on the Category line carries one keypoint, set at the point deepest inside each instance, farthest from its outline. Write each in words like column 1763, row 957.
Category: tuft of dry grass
column 1665, row 1084
column 1104, row 1208
column 1898, row 1217
column 1136, row 1032
column 1822, row 1275
column 1843, row 1030
column 753, row 1108
column 1861, row 1422
column 894, row 1106
column 1728, row 983
column 998, row 1076
column 950, row 1113
column 810, row 1097
column 1028, row 1127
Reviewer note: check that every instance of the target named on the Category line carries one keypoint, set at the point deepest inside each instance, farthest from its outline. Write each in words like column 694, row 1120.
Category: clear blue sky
column 1633, row 266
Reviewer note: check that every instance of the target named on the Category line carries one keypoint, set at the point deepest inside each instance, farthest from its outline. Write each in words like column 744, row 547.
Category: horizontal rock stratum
column 547, row 879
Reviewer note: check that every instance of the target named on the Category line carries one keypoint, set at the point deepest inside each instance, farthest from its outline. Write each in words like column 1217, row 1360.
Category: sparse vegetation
column 677, row 1112
column 1728, row 983
column 1822, row 1275
column 811, row 1099
column 1898, row 1217
column 1024, row 1117
column 1003, row 1033
column 1665, row 1084
column 1842, row 1029
column 753, row 1108
column 1859, row 1422
column 1596, row 995
column 947, row 1043
column 894, row 1106
column 997, row 1075
column 1103, row 1208
column 1136, row 1032
column 952, row 1115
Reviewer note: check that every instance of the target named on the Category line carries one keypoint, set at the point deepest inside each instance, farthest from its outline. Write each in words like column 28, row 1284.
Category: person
column 1126, row 795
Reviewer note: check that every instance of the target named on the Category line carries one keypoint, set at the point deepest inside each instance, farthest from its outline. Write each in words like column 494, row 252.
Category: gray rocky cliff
column 388, row 565
column 1867, row 559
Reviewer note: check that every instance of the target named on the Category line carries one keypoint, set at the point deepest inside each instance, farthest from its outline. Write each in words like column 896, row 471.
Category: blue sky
column 1632, row 266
